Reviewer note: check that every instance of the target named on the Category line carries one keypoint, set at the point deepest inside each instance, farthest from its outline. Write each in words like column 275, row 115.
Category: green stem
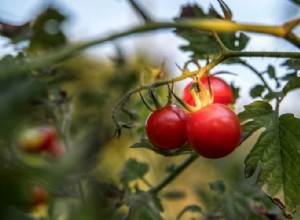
column 146, row 182
column 275, row 54
column 140, row 10
column 223, row 48
column 216, row 25
column 178, row 170
column 293, row 38
column 66, row 131
column 259, row 75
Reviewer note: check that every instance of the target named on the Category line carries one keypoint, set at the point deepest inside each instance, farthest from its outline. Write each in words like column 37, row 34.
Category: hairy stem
column 274, row 54
column 178, row 170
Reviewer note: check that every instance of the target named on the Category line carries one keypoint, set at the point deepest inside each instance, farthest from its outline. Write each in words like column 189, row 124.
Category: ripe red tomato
column 214, row 131
column 166, row 128
column 221, row 90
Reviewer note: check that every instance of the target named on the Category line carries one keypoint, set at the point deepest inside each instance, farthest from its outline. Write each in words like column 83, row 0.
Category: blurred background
column 91, row 19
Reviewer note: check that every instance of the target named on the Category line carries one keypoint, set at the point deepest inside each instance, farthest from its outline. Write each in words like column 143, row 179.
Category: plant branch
column 290, row 25
column 293, row 38
column 274, row 54
column 216, row 25
column 223, row 48
column 65, row 129
column 290, row 36
column 146, row 182
column 140, row 10
column 174, row 174
column 226, row 55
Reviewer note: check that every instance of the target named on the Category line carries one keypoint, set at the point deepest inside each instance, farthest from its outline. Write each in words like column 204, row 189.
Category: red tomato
column 39, row 196
column 214, row 131
column 166, row 128
column 38, row 139
column 42, row 139
column 221, row 90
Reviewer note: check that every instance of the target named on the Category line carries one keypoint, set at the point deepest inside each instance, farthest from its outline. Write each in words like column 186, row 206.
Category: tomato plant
column 214, row 131
column 166, row 127
column 45, row 78
column 222, row 92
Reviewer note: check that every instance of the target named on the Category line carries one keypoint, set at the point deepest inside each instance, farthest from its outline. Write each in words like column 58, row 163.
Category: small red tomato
column 166, row 127
column 38, row 139
column 214, row 131
column 39, row 196
column 221, row 91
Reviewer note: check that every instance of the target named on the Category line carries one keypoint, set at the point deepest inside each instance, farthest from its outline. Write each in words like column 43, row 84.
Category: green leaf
column 189, row 208
column 271, row 72
column 218, row 186
column 145, row 143
column 16, row 33
column 144, row 206
column 289, row 76
column 276, row 153
column 292, row 84
column 235, row 91
column 202, row 43
column 292, row 64
column 19, row 94
column 47, row 31
column 257, row 91
column 133, row 170
column 296, row 1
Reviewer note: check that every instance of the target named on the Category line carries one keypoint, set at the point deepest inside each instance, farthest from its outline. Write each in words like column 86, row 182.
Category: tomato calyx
column 157, row 104
column 166, row 124
column 199, row 95
column 218, row 90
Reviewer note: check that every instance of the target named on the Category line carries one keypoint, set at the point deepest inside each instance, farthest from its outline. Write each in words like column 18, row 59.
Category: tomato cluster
column 42, row 139
column 213, row 131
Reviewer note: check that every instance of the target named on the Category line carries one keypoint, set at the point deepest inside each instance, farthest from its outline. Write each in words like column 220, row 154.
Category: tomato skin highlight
column 166, row 127
column 221, row 91
column 214, row 131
